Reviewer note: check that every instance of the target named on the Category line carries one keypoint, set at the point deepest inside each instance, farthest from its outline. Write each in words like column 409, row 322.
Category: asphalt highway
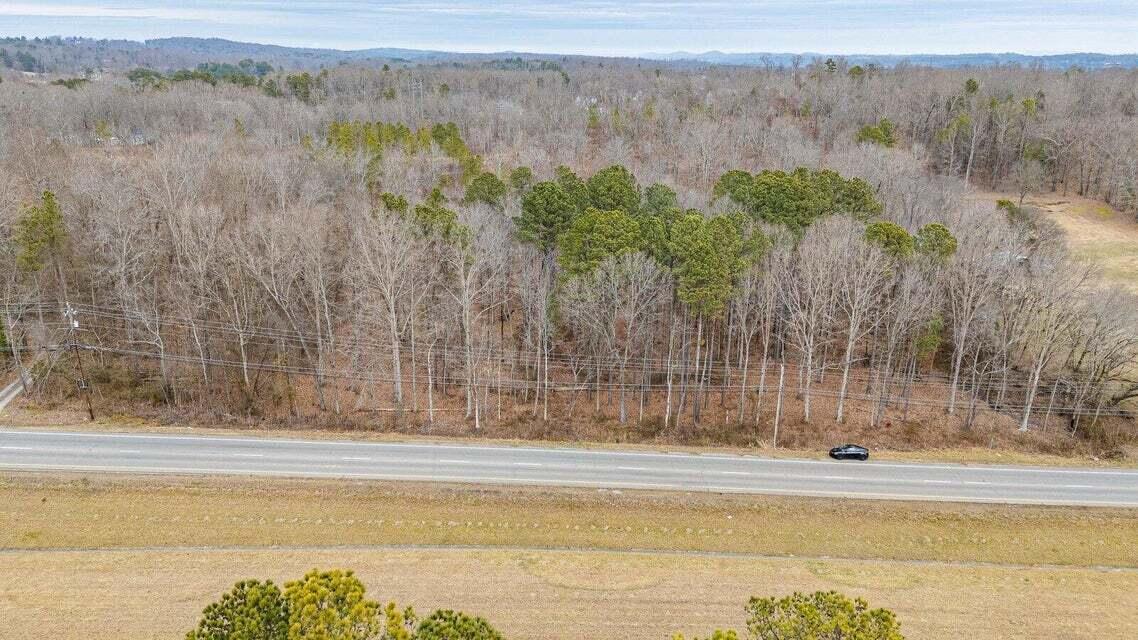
column 568, row 467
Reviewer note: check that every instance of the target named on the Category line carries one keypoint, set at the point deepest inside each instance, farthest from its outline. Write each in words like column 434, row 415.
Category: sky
column 605, row 27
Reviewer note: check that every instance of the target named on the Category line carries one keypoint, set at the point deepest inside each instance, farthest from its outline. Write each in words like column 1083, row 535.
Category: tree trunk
column 957, row 361
column 430, row 385
column 846, row 362
column 806, row 385
column 1029, row 399
column 414, row 366
column 671, row 347
column 778, row 402
column 741, row 415
column 698, row 363
column 396, row 367
column 971, row 154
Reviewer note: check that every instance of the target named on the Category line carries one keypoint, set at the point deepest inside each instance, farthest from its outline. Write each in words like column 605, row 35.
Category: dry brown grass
column 41, row 512
column 108, row 558
column 139, row 595
column 1097, row 232
column 1093, row 230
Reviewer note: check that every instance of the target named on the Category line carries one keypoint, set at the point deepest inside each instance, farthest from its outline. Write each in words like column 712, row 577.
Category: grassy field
column 1094, row 231
column 139, row 557
column 1098, row 233
column 66, row 512
column 567, row 595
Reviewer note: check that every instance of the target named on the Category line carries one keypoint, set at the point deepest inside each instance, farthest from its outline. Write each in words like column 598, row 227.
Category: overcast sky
column 605, row 27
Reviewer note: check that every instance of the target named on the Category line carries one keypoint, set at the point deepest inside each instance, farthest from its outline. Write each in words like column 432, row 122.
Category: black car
column 849, row 452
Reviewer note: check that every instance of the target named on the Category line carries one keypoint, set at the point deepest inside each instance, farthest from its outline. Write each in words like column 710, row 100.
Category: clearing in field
column 1095, row 231
column 1100, row 234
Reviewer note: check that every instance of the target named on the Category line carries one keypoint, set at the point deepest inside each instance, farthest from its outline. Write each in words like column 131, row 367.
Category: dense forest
column 524, row 241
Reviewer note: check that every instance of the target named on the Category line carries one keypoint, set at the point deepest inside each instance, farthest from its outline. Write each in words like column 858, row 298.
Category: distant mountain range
column 1056, row 61
column 228, row 48
column 59, row 54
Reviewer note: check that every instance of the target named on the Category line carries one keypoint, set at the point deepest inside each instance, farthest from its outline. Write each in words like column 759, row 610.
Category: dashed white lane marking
column 17, row 448
column 248, row 455
column 633, row 468
column 448, row 461
column 356, row 458
column 735, row 473
column 132, row 451
column 527, row 464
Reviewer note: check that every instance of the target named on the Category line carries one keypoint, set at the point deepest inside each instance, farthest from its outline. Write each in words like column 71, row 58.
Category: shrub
column 455, row 625
column 883, row 133
column 252, row 610
column 823, row 615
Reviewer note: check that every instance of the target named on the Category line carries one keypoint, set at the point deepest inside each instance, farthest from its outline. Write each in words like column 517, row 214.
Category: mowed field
column 134, row 558
column 1099, row 234
column 1095, row 232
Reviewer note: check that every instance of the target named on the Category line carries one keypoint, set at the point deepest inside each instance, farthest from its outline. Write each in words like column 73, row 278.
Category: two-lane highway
column 219, row 455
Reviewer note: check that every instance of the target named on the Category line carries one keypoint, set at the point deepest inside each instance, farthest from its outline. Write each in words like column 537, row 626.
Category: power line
column 272, row 337
column 523, row 384
column 722, row 376
column 633, row 366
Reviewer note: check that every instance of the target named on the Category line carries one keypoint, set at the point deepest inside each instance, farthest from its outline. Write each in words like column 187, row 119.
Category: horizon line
column 638, row 55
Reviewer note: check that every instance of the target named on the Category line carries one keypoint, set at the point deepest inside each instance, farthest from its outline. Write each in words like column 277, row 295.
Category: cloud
column 144, row 11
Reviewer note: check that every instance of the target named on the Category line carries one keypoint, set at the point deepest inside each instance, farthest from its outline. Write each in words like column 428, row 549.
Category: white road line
column 735, row 473
column 527, row 464
column 357, row 458
column 18, row 448
column 248, row 455
column 448, row 461
column 131, row 451
column 633, row 468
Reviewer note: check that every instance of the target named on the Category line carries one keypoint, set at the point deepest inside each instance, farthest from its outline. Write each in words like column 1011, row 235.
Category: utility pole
column 72, row 325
